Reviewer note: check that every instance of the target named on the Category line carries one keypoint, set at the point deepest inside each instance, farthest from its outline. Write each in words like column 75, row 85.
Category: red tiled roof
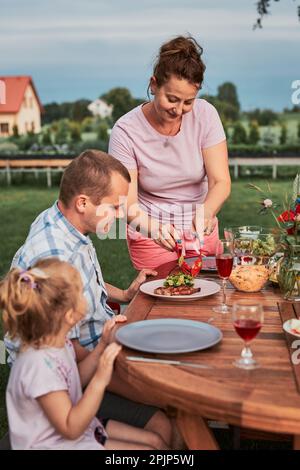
column 15, row 89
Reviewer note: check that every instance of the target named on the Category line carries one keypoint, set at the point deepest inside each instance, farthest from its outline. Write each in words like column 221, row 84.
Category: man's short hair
column 90, row 174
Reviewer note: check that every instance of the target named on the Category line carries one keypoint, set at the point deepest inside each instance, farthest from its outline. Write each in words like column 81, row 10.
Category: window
column 30, row 102
column 32, row 126
column 4, row 128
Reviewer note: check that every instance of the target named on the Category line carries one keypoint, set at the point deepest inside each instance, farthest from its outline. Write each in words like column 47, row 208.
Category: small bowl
column 245, row 231
column 249, row 278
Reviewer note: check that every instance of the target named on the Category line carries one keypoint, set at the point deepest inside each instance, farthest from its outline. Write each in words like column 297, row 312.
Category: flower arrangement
column 287, row 219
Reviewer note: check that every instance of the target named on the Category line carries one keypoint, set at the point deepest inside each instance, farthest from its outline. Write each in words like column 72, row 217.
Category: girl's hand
column 106, row 363
column 107, row 332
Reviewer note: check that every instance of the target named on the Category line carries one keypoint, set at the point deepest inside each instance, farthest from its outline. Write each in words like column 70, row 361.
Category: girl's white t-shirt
column 37, row 372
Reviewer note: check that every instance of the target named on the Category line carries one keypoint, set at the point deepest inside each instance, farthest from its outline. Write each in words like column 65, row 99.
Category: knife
column 168, row 361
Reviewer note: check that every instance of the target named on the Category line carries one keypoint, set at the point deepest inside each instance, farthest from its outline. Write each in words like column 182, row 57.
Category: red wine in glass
column 247, row 329
column 224, row 261
column 224, row 264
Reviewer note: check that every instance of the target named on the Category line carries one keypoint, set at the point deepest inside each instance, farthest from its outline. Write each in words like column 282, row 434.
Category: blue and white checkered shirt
column 52, row 235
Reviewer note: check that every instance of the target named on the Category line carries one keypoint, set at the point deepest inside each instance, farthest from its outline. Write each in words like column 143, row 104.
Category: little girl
column 45, row 404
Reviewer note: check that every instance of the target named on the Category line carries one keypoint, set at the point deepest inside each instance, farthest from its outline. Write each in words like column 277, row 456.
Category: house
column 20, row 106
column 100, row 108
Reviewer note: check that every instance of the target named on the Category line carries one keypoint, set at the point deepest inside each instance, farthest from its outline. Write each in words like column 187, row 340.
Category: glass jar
column 289, row 273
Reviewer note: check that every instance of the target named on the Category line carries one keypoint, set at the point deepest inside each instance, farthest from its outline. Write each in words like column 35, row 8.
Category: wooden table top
column 265, row 398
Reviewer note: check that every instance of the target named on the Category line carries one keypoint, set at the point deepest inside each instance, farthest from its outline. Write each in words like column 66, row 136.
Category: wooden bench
column 35, row 166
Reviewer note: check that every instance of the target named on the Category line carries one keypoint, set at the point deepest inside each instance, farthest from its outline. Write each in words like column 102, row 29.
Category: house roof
column 15, row 89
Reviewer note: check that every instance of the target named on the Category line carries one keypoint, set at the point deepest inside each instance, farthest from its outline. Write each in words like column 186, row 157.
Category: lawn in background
column 19, row 205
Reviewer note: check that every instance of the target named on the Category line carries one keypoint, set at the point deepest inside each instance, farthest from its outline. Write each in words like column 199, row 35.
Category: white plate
column 207, row 288
column 168, row 335
column 287, row 326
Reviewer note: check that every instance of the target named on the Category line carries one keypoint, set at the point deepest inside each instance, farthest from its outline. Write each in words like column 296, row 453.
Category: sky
column 82, row 48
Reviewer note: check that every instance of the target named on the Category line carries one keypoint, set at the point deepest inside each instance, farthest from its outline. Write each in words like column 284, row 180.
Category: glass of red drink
column 247, row 320
column 224, row 260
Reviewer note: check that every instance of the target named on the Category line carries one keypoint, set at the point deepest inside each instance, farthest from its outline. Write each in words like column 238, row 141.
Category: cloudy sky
column 81, row 48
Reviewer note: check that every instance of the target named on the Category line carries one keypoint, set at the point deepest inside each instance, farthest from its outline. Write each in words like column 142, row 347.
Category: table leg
column 196, row 432
column 296, row 442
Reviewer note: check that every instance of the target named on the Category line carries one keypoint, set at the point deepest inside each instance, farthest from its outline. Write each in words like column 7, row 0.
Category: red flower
column 297, row 209
column 287, row 216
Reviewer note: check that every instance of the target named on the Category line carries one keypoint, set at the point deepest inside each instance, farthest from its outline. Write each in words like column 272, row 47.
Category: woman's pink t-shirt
column 171, row 172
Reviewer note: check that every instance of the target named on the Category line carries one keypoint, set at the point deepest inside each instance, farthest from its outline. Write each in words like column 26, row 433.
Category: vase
column 289, row 273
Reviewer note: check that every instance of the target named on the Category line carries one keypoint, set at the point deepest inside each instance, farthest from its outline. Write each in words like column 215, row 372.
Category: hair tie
column 24, row 276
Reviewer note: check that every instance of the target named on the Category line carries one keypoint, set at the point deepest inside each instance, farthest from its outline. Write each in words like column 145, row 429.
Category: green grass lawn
column 19, row 205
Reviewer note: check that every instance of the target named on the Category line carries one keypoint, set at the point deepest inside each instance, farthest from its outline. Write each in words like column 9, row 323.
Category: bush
column 264, row 151
column 254, row 135
column 8, row 147
column 239, row 135
column 75, row 132
column 91, row 144
column 283, row 134
column 26, row 142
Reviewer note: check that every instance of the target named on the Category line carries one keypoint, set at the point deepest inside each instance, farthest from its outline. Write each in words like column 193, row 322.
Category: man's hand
column 135, row 285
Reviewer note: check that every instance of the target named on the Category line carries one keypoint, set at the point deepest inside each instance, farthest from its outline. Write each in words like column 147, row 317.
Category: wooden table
column 264, row 399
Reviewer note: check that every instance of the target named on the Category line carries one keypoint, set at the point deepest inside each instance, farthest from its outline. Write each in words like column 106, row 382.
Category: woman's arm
column 219, row 182
column 164, row 235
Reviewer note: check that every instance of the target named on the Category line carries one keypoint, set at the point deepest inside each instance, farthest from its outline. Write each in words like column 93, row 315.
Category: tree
column 263, row 9
column 122, row 101
column 264, row 117
column 254, row 135
column 283, row 134
column 227, row 92
column 227, row 111
column 76, row 111
column 239, row 134
column 298, row 131
column 79, row 110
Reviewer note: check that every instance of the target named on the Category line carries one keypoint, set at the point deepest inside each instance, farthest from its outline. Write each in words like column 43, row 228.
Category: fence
column 57, row 164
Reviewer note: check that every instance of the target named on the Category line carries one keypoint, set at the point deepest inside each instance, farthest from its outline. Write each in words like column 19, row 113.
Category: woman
column 175, row 150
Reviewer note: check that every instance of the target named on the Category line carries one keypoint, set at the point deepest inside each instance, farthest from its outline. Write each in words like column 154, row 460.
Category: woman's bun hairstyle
column 180, row 57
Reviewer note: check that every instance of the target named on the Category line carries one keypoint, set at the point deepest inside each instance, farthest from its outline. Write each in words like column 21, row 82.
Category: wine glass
column 247, row 320
column 224, row 261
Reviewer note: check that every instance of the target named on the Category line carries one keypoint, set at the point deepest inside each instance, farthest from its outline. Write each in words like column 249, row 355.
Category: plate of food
column 292, row 326
column 168, row 335
column 180, row 286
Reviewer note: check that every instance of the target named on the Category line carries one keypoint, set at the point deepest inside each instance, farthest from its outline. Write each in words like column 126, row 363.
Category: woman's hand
column 209, row 222
column 109, row 325
column 106, row 362
column 167, row 236
column 135, row 285
column 204, row 222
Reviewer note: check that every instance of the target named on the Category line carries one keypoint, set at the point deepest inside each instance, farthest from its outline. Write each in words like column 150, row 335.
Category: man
column 91, row 196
